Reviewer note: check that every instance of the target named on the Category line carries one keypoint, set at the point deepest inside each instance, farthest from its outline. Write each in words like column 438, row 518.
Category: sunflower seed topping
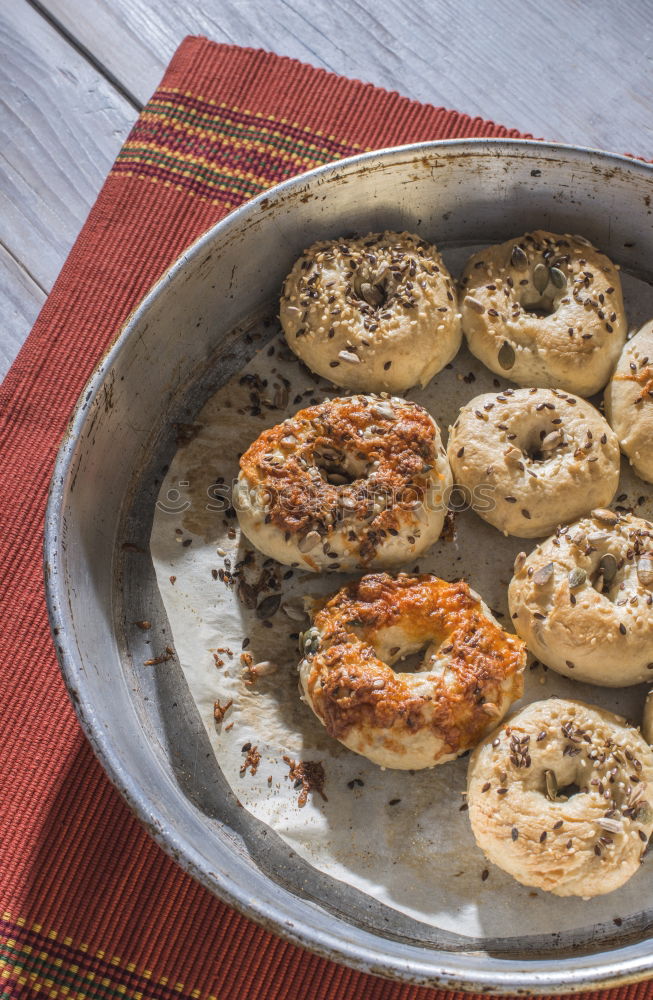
column 520, row 559
column 645, row 570
column 349, row 356
column 551, row 441
column 540, row 277
column 309, row 541
column 551, row 785
column 605, row 516
column 611, row 825
column 474, row 305
column 577, row 576
column 518, row 258
column 506, row 355
column 543, row 574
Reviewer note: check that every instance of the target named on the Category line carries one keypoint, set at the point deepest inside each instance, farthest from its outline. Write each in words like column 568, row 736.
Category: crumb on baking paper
column 219, row 662
column 448, row 533
column 172, row 579
column 219, row 711
column 145, row 625
column 163, row 658
column 252, row 760
column 307, row 775
column 253, row 671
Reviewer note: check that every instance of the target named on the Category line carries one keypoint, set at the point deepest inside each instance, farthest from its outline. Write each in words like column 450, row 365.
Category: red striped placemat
column 90, row 907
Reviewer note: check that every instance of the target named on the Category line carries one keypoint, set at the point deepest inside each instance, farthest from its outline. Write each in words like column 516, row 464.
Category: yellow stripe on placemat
column 217, row 153
column 57, row 968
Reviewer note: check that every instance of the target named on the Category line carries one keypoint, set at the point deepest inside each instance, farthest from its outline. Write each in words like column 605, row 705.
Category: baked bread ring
column 560, row 798
column 545, row 310
column 377, row 313
column 647, row 718
column 470, row 673
column 347, row 484
column 533, row 458
column 583, row 600
column 629, row 402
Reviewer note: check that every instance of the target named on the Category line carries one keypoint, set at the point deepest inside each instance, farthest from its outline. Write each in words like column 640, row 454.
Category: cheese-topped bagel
column 629, row 402
column 349, row 483
column 470, row 672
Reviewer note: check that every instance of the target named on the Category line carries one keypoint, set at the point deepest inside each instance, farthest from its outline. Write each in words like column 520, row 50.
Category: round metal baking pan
column 197, row 326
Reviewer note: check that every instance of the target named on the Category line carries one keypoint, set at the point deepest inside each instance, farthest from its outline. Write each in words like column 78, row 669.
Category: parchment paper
column 399, row 837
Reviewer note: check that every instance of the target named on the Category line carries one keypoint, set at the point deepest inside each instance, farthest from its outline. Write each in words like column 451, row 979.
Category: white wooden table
column 74, row 74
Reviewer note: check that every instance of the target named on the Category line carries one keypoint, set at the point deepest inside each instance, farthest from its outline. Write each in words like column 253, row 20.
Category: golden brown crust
column 402, row 447
column 350, row 475
column 629, row 401
column 360, row 699
column 560, row 797
column 542, row 456
column 582, row 600
column 545, row 309
column 377, row 312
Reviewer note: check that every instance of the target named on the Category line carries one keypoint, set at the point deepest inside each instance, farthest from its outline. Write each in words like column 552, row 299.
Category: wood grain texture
column 568, row 70
column 62, row 127
column 20, row 302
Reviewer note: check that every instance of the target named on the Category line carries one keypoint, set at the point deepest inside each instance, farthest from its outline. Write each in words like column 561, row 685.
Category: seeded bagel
column 583, row 600
column 545, row 310
column 560, row 798
column 533, row 458
column 629, row 402
column 376, row 313
column 647, row 718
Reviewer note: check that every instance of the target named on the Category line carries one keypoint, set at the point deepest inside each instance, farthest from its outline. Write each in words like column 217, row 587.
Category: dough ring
column 533, row 458
column 468, row 676
column 560, row 798
column 629, row 402
column 583, row 600
column 377, row 313
column 545, row 310
column 350, row 483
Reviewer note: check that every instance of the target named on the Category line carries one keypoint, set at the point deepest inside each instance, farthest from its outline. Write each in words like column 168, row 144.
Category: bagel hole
column 335, row 468
column 605, row 579
column 600, row 585
column 540, row 310
column 533, row 448
column 562, row 792
column 373, row 288
column 567, row 791
column 412, row 662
